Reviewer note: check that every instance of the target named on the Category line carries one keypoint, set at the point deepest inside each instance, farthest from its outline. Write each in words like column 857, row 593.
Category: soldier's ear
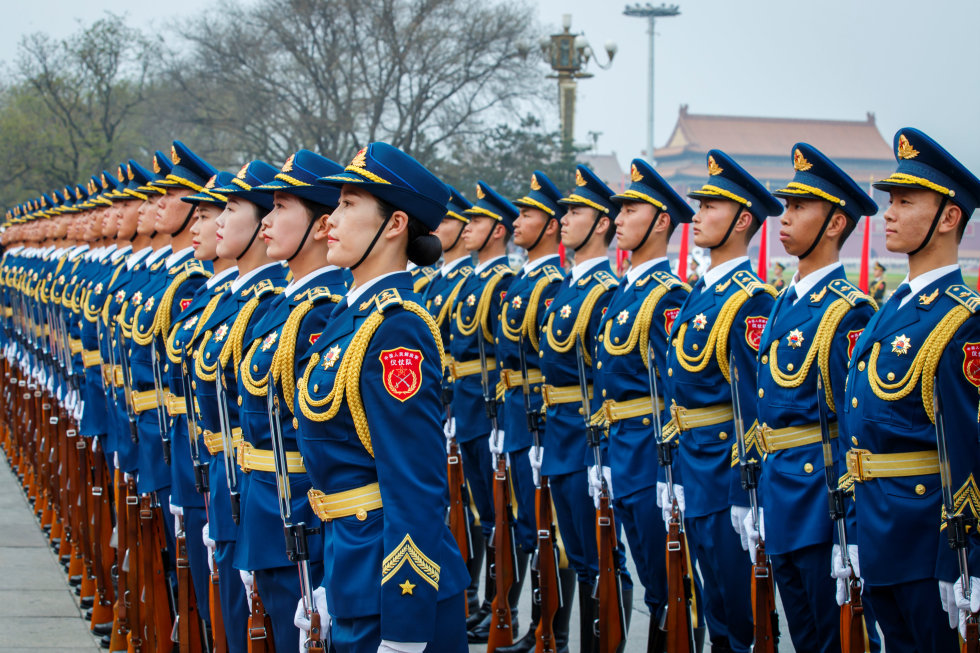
column 320, row 227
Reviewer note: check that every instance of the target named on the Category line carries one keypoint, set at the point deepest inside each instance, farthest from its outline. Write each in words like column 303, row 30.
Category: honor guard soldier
column 921, row 342
column 812, row 329
column 369, row 409
column 878, row 286
column 571, row 329
column 225, row 334
column 536, row 230
column 476, row 312
column 639, row 315
column 295, row 232
column 777, row 278
column 724, row 314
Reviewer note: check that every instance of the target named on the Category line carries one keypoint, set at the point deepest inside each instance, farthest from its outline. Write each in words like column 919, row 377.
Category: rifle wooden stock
column 548, row 597
column 678, row 623
column 504, row 554
column 852, row 620
column 219, row 639
column 458, row 519
column 101, row 527
column 132, row 597
column 611, row 620
column 971, row 643
column 156, row 606
column 188, row 621
column 765, row 627
column 259, row 626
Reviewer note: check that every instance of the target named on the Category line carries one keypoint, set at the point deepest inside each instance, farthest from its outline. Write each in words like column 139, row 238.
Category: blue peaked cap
column 817, row 177
column 646, row 185
column 299, row 175
column 591, row 191
column 544, row 195
column 493, row 205
column 728, row 180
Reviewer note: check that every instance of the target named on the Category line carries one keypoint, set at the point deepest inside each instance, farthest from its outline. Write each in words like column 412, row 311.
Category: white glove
column 966, row 606
column 303, row 623
column 178, row 513
column 449, row 430
column 663, row 500
column 210, row 544
column 95, row 442
column 79, row 409
column 248, row 580
column 536, row 456
column 738, row 523
column 114, row 538
column 176, row 510
column 947, row 597
column 115, row 459
column 496, row 444
column 595, row 483
column 400, row 647
column 754, row 531
column 842, row 572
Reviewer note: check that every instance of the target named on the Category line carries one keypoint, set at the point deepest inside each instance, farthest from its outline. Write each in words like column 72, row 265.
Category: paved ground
column 38, row 610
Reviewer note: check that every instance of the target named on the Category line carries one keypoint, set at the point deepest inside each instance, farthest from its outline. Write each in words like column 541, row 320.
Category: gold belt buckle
column 678, row 413
column 763, row 432
column 855, row 463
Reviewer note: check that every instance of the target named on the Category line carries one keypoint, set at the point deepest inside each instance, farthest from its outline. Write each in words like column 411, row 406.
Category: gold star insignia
column 269, row 340
column 622, row 317
column 565, row 311
column 331, row 357
column 220, row 333
column 516, row 302
column 817, row 296
column 901, row 344
column 470, row 299
column 925, row 300
column 795, row 339
column 700, row 321
column 438, row 300
column 407, row 587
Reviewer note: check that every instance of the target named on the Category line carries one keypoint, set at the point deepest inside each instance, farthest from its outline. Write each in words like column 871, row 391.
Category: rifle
column 156, row 587
column 259, row 626
column 131, row 600
column 957, row 523
column 764, row 617
column 677, row 623
column 297, row 549
column 610, row 625
column 852, row 612
column 456, row 516
column 187, row 624
column 231, row 465
column 548, row 595
column 504, row 568
column 127, row 387
column 161, row 410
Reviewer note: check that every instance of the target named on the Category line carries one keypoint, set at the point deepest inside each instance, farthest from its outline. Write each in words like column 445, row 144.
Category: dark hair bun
column 424, row 250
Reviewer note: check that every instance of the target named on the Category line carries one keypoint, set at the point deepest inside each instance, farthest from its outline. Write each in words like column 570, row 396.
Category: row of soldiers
column 149, row 315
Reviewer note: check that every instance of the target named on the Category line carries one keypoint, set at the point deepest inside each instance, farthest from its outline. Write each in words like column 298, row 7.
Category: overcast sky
column 910, row 62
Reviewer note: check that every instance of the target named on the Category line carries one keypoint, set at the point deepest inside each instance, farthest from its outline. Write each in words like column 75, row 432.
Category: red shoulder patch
column 669, row 316
column 503, row 295
column 753, row 330
column 852, row 339
column 402, row 372
column 314, row 337
column 971, row 362
column 184, row 303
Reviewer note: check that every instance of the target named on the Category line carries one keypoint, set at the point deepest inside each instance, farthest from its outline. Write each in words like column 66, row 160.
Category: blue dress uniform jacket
column 812, row 336
column 888, row 410
column 441, row 294
column 477, row 306
column 528, row 298
column 257, row 548
column 637, row 315
column 712, row 322
column 574, row 316
column 370, row 413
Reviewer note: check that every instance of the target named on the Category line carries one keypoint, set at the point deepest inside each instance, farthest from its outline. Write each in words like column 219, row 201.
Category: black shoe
column 587, row 610
column 86, row 602
column 720, row 645
column 564, row 615
column 105, row 642
column 476, row 617
column 88, row 615
column 102, row 629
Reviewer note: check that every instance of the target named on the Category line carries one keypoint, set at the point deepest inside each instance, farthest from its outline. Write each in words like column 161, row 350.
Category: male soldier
column 477, row 309
column 919, row 339
column 537, row 231
column 725, row 312
column 878, row 285
column 818, row 318
column 640, row 314
column 571, row 325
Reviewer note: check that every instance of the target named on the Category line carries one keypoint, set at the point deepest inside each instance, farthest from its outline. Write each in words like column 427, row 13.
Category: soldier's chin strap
column 251, row 240
column 458, row 236
column 595, row 223
column 731, row 227
column 486, row 241
column 823, row 228
column 656, row 216
column 187, row 221
column 932, row 227
column 373, row 242
column 541, row 235
column 302, row 241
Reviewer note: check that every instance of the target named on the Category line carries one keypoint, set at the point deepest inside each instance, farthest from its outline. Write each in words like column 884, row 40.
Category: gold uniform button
column 615, row 340
column 255, row 368
column 765, row 359
column 646, row 421
column 854, row 402
column 920, row 489
column 316, row 387
column 762, row 393
column 537, row 389
column 193, row 385
column 854, row 440
column 540, row 354
column 166, row 368
column 361, row 514
column 694, row 346
column 891, row 376
column 789, row 367
column 558, row 332
column 861, row 366
column 808, row 468
column 295, row 423
column 603, row 392
column 239, row 401
column 722, row 436
column 581, row 411
column 670, row 371
column 673, row 343
column 601, row 337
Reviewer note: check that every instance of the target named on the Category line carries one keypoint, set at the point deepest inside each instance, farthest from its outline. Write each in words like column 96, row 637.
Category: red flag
column 763, row 253
column 682, row 257
column 865, row 253
column 621, row 257
column 561, row 254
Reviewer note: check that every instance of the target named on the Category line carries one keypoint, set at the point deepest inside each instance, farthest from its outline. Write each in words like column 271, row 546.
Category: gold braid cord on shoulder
column 143, row 338
column 91, row 315
column 482, row 311
column 284, row 360
column 530, row 318
column 450, row 301
column 254, row 387
column 718, row 338
column 819, row 350
column 923, row 366
column 201, row 369
column 348, row 377
column 232, row 348
column 579, row 327
column 162, row 321
column 170, row 344
column 640, row 331
column 121, row 320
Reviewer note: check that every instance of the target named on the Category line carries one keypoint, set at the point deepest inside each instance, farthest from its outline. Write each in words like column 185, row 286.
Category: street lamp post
column 568, row 54
column 651, row 13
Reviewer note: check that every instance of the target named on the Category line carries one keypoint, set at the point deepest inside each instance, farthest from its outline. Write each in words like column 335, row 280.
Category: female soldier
column 295, row 231
column 368, row 403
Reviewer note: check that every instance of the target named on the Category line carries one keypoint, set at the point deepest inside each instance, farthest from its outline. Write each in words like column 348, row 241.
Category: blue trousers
column 363, row 634
column 911, row 618
column 197, row 556
column 726, row 573
column 280, row 591
column 522, row 480
column 479, row 479
column 809, row 602
column 646, row 533
column 234, row 603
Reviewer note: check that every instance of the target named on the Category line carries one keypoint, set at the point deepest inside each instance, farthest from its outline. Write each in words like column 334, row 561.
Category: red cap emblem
column 402, row 372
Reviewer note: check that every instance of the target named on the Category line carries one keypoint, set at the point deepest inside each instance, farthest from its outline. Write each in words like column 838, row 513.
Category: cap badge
column 905, row 149
column 534, row 183
column 800, row 162
column 579, row 179
column 288, row 165
column 173, row 155
column 241, row 173
column 635, row 174
column 713, row 168
column 479, row 192
column 156, row 164
column 360, row 159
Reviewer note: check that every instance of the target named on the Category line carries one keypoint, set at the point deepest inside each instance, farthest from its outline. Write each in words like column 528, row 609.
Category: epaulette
column 848, row 291
column 262, row 288
column 499, row 268
column 191, row 266
column 751, row 284
column 553, row 272
column 387, row 298
column 606, row 279
column 965, row 296
column 317, row 295
column 667, row 280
